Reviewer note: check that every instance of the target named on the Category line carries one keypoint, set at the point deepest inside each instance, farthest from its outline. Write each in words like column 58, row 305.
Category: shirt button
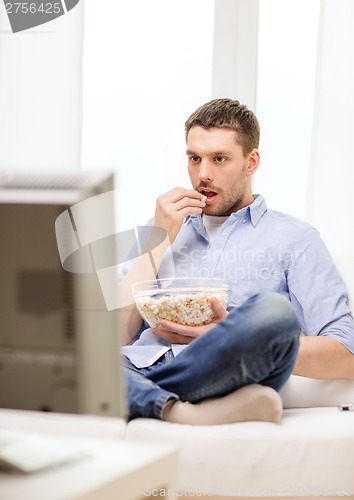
column 205, row 257
column 243, row 221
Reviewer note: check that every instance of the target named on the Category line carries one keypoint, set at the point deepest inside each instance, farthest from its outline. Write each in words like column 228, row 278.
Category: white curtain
column 287, row 53
column 305, row 105
column 40, row 94
column 330, row 201
column 147, row 65
column 235, row 50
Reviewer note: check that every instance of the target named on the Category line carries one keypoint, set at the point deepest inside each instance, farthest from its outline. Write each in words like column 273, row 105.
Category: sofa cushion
column 302, row 392
column 311, row 452
column 61, row 424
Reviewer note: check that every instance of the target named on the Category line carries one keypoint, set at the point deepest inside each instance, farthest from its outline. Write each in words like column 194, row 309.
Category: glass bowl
column 185, row 301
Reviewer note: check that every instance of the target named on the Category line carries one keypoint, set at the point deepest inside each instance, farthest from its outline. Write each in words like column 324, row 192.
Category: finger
column 188, row 202
column 178, row 193
column 179, row 329
column 189, row 211
column 218, row 308
column 174, row 338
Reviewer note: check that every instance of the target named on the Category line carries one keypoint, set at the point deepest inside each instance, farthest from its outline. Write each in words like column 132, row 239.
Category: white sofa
column 309, row 454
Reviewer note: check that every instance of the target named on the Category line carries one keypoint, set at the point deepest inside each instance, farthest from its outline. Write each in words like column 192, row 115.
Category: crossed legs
column 231, row 373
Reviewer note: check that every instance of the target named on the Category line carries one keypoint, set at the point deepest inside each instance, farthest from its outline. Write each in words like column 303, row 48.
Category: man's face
column 219, row 170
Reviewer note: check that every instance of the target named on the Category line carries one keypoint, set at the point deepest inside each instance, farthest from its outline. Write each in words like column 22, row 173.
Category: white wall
column 235, row 50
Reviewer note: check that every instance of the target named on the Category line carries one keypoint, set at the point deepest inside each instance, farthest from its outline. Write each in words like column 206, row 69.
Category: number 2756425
column 33, row 8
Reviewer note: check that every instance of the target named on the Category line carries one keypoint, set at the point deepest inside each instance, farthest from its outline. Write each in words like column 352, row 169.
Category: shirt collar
column 257, row 209
column 254, row 211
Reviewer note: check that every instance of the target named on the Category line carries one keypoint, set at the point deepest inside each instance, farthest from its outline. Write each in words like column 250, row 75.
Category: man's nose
column 205, row 171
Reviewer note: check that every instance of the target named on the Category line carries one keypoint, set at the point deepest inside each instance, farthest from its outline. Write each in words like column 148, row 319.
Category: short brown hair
column 231, row 114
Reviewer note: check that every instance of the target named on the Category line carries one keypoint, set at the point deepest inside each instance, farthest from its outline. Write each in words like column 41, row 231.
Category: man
column 282, row 278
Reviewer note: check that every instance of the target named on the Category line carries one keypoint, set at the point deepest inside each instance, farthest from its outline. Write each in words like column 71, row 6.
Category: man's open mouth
column 210, row 195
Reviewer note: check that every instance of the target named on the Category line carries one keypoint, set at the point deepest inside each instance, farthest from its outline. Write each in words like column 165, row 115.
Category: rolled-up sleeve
column 318, row 292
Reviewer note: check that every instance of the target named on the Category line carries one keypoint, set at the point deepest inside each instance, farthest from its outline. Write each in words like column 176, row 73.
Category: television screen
column 59, row 343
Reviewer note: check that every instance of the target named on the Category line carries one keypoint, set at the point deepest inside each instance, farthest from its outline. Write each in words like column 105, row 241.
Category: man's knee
column 267, row 314
column 277, row 313
column 262, row 319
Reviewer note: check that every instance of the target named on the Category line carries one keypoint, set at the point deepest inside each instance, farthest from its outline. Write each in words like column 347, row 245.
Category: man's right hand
column 171, row 209
column 173, row 206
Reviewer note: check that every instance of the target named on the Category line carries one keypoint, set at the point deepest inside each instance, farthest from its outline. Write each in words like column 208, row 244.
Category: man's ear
column 253, row 161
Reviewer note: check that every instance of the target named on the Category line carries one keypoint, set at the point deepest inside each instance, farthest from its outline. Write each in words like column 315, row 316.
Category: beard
column 230, row 201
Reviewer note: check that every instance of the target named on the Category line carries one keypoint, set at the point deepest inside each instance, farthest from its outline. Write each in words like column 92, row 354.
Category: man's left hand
column 182, row 334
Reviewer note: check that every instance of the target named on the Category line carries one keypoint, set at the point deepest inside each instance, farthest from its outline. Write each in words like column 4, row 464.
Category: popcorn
column 191, row 309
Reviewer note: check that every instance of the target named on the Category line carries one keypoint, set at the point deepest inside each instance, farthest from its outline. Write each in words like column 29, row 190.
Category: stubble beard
column 232, row 202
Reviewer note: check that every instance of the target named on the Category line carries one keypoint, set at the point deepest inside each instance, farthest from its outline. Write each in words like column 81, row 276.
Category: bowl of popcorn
column 186, row 301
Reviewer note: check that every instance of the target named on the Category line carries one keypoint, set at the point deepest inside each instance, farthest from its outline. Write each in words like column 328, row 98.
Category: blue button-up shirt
column 255, row 250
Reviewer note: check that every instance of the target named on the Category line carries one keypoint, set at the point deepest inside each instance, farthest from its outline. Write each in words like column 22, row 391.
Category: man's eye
column 194, row 159
column 219, row 159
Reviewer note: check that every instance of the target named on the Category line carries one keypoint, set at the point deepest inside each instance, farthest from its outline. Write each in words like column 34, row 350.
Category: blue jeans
column 256, row 343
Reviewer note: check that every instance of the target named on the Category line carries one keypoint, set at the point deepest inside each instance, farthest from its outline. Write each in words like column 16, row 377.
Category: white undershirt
column 212, row 224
